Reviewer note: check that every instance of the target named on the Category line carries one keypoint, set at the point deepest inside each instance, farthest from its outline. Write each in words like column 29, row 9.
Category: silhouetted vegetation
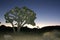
column 3, row 28
column 0, row 22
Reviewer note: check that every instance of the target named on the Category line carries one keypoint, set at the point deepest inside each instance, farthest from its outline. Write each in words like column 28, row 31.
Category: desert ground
column 53, row 35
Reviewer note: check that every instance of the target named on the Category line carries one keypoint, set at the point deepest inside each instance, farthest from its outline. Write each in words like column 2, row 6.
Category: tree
column 0, row 22
column 20, row 16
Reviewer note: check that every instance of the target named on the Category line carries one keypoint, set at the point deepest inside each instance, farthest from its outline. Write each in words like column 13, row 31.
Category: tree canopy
column 21, row 16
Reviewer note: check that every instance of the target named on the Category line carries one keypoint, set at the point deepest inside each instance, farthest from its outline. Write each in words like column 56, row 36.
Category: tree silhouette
column 20, row 16
column 0, row 23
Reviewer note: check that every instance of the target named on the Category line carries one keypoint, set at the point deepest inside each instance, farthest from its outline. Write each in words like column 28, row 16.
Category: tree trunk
column 18, row 29
column 13, row 27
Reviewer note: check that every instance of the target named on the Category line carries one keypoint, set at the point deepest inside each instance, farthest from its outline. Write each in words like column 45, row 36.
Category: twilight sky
column 47, row 11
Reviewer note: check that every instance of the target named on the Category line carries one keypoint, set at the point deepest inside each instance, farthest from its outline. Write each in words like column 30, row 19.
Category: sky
column 47, row 11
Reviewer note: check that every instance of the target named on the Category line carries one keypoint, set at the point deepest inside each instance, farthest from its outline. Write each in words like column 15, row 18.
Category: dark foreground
column 46, row 33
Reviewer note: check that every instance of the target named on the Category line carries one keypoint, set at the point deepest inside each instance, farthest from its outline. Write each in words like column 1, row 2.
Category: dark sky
column 47, row 11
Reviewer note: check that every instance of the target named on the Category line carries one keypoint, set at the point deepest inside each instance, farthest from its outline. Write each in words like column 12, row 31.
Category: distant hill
column 50, row 28
column 3, row 28
column 44, row 29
